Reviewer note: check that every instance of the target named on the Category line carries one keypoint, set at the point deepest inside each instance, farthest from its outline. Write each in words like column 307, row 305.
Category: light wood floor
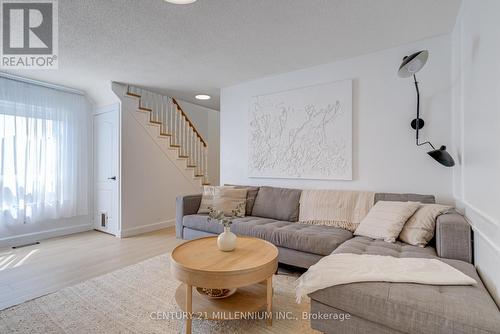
column 54, row 264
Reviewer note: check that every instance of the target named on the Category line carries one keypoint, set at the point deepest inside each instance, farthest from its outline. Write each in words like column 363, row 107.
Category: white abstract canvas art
column 302, row 133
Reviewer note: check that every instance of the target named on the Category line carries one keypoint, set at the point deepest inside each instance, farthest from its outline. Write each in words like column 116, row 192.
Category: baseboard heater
column 26, row 245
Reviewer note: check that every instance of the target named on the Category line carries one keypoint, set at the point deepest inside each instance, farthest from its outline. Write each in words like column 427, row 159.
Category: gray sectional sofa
column 374, row 307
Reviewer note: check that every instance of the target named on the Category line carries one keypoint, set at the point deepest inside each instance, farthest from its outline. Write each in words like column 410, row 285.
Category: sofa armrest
column 185, row 205
column 453, row 237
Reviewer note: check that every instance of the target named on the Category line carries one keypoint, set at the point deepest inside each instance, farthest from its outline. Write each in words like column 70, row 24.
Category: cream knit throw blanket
column 337, row 269
column 343, row 209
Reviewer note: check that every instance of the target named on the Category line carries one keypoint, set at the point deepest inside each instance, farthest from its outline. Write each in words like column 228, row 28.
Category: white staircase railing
column 174, row 123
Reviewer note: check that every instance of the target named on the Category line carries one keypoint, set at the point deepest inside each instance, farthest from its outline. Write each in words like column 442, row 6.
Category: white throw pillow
column 386, row 219
column 419, row 229
column 225, row 198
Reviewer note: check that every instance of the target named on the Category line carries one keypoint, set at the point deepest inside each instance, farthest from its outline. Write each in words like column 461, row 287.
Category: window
column 43, row 153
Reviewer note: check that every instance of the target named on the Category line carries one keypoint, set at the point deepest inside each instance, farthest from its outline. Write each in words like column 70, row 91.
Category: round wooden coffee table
column 250, row 268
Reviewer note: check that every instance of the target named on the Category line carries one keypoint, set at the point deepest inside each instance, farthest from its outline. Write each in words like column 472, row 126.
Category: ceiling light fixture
column 180, row 2
column 202, row 97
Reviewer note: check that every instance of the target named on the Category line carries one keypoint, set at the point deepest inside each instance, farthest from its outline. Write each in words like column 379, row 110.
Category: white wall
column 476, row 121
column 206, row 121
column 385, row 157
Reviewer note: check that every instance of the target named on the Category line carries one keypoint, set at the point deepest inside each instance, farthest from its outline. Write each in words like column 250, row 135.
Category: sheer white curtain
column 44, row 153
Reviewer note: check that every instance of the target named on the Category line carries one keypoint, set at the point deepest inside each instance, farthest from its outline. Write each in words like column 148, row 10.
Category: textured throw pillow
column 231, row 201
column 386, row 220
column 419, row 229
column 225, row 198
column 252, row 192
column 207, row 197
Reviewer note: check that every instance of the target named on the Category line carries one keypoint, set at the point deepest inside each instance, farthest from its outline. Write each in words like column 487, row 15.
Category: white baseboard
column 124, row 233
column 27, row 238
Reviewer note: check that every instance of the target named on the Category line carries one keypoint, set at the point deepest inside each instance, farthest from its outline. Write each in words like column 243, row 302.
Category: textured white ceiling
column 183, row 50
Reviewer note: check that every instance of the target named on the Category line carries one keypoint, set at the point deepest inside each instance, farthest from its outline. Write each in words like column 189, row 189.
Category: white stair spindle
column 163, row 122
column 171, row 116
column 206, row 163
column 158, row 110
column 186, row 139
column 183, row 137
column 198, row 154
column 179, row 127
column 188, row 145
column 155, row 108
column 146, row 99
column 202, row 159
column 175, row 128
column 195, row 154
column 165, row 114
column 183, row 133
column 177, row 122
column 193, row 141
column 190, row 141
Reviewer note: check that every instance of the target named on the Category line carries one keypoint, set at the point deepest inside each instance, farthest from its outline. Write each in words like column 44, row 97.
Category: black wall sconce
column 412, row 64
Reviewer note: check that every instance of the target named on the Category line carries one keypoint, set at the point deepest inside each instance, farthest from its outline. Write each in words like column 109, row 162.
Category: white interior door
column 106, row 162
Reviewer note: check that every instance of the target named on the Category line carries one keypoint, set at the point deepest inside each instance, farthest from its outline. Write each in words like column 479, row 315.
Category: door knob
column 112, row 178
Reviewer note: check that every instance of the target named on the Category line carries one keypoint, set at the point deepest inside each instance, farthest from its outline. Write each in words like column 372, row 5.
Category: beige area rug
column 126, row 300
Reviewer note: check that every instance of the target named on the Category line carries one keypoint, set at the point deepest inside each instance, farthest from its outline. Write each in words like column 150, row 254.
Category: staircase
column 173, row 127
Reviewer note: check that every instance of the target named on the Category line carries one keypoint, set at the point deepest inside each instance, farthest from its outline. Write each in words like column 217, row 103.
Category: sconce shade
column 413, row 63
column 442, row 156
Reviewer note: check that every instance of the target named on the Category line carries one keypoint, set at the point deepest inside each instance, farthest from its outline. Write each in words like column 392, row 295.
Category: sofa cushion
column 414, row 308
column 200, row 222
column 258, row 227
column 321, row 240
column 277, row 203
column 365, row 245
column 313, row 239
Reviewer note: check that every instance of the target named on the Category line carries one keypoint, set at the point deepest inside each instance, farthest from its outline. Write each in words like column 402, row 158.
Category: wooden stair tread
column 134, row 95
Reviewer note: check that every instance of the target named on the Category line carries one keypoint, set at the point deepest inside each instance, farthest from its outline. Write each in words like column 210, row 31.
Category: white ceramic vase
column 226, row 240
